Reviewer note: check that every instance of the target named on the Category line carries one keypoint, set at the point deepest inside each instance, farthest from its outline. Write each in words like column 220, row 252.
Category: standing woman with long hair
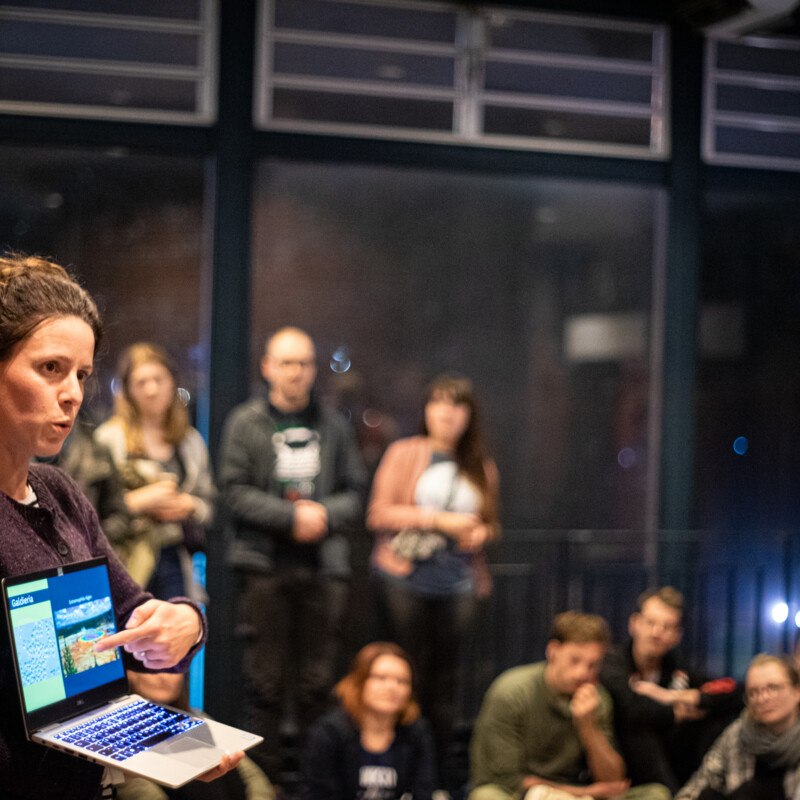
column 434, row 510
column 374, row 746
column 165, row 468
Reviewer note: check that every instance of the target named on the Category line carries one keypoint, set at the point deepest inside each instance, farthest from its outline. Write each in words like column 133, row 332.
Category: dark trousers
column 293, row 628
column 431, row 628
column 752, row 790
column 167, row 581
column 669, row 757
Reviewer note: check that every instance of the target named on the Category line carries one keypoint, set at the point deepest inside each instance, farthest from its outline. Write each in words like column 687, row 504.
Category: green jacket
column 525, row 729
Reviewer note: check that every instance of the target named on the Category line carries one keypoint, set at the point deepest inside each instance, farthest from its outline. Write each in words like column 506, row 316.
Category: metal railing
column 733, row 583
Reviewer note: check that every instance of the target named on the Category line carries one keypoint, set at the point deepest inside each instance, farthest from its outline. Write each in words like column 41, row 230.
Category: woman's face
column 446, row 420
column 42, row 385
column 151, row 389
column 388, row 686
column 771, row 697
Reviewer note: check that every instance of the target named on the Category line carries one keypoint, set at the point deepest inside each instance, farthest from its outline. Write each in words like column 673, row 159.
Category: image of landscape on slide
column 78, row 629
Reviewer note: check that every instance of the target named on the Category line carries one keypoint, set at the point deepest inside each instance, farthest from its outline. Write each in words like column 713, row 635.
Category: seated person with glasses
column 757, row 757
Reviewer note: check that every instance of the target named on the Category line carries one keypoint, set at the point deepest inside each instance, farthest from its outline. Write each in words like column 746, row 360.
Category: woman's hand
column 467, row 529
column 175, row 507
column 455, row 524
column 473, row 540
column 229, row 761
column 158, row 634
column 149, row 499
column 160, row 500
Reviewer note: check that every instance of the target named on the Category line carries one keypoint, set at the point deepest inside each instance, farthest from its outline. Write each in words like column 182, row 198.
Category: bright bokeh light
column 340, row 360
column 797, row 619
column 780, row 612
column 372, row 417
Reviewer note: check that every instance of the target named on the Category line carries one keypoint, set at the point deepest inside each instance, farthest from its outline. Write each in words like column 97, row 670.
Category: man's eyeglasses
column 289, row 363
column 754, row 693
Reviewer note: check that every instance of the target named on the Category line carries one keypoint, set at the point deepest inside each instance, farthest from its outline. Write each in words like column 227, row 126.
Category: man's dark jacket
column 260, row 518
column 654, row 746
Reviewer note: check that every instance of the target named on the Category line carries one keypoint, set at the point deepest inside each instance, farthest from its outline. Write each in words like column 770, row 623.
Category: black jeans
column 431, row 628
column 669, row 757
column 293, row 630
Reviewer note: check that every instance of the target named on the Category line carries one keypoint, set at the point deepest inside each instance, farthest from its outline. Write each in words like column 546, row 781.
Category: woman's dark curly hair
column 32, row 290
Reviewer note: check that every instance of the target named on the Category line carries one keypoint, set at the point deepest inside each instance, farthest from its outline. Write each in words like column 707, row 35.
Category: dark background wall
column 184, row 238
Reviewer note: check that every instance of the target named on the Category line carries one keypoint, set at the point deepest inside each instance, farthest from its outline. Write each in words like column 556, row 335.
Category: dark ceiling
column 694, row 14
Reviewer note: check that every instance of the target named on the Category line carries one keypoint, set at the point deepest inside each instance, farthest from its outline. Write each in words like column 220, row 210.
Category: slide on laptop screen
column 75, row 699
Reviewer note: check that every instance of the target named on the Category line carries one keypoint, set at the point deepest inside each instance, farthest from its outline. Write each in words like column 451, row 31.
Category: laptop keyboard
column 129, row 730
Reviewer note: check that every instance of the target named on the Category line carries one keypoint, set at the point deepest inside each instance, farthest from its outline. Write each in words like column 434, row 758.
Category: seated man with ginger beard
column 545, row 729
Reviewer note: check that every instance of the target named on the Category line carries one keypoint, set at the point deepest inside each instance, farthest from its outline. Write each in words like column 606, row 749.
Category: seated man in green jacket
column 545, row 729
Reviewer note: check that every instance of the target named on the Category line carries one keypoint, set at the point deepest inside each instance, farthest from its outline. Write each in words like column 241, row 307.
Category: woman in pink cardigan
column 434, row 509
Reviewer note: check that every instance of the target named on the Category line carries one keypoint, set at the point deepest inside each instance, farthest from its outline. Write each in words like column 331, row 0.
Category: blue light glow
column 340, row 360
column 740, row 445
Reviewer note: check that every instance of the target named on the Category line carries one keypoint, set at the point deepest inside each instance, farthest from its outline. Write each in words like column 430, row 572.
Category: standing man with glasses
column 293, row 484
column 665, row 715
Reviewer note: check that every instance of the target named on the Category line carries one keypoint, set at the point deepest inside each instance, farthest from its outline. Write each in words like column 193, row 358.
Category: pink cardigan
column 391, row 507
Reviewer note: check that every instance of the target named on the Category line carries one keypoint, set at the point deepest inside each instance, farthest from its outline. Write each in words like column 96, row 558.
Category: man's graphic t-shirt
column 297, row 453
column 296, row 444
column 296, row 461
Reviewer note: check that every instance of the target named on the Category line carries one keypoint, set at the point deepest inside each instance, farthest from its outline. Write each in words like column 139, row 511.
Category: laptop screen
column 56, row 617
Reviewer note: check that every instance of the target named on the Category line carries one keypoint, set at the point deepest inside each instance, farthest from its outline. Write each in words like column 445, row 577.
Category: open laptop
column 76, row 700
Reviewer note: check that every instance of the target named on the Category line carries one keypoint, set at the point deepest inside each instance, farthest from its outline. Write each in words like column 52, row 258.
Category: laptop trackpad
column 190, row 751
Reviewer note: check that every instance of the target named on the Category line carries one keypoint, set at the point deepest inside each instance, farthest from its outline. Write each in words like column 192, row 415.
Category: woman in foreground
column 758, row 756
column 49, row 332
column 375, row 746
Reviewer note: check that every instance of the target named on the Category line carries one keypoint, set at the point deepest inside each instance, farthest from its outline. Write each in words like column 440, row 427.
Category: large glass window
column 752, row 102
column 539, row 289
column 747, row 452
column 455, row 72
column 136, row 60
column 130, row 227
column 748, row 443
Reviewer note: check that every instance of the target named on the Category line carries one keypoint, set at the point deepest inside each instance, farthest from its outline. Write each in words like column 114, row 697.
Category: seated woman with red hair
column 375, row 746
